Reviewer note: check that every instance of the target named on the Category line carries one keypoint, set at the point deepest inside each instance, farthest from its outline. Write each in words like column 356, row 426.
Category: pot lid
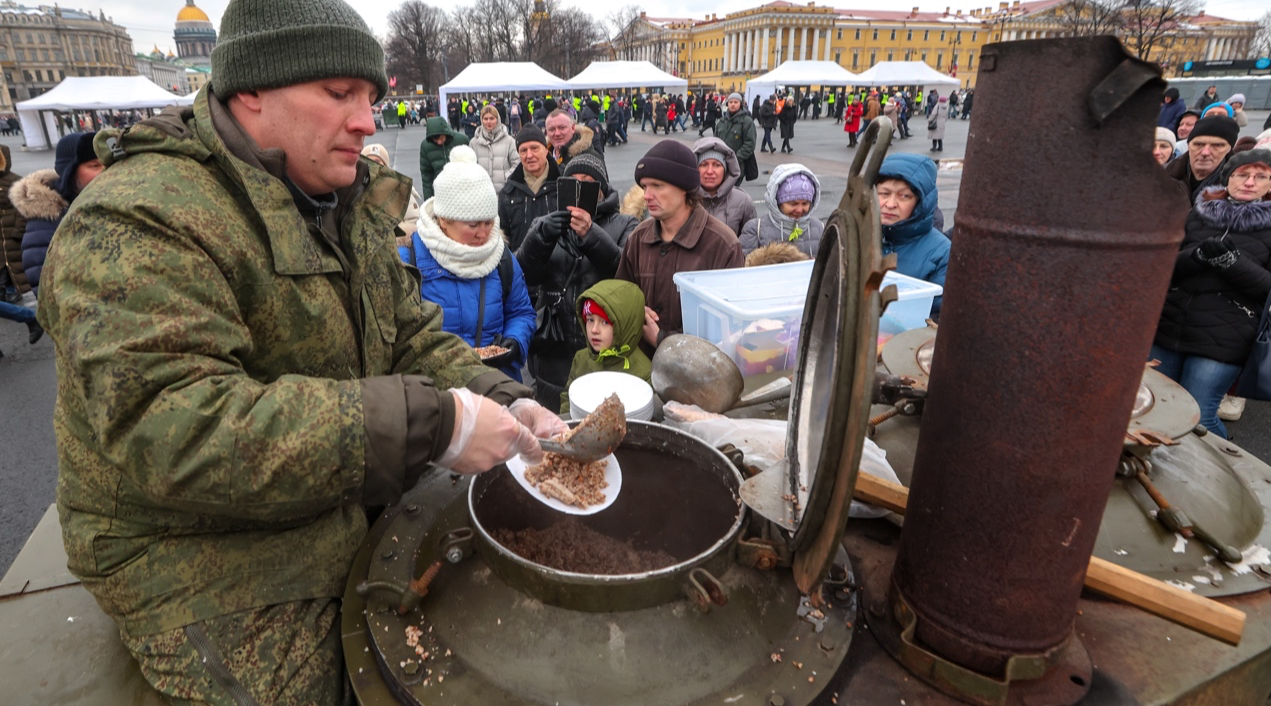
column 1163, row 411
column 831, row 394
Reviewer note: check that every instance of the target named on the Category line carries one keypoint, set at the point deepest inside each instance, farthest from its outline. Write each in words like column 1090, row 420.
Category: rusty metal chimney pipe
column 1064, row 245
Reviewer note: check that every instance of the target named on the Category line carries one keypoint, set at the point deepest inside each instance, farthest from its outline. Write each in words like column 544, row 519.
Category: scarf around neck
column 463, row 261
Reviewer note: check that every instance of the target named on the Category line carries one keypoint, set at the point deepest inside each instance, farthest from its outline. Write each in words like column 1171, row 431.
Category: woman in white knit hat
column 466, row 267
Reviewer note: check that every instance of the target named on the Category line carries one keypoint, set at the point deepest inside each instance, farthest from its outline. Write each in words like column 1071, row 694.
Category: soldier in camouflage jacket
column 242, row 368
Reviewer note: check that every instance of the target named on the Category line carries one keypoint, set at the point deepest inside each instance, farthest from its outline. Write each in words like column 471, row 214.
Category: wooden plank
column 1181, row 607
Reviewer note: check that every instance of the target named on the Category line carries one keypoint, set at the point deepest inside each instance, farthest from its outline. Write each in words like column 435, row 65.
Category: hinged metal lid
column 833, row 383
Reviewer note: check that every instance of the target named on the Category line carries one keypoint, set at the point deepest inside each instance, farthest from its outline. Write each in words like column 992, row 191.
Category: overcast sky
column 150, row 22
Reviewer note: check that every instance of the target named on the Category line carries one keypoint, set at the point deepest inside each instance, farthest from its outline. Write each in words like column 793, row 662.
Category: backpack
column 516, row 110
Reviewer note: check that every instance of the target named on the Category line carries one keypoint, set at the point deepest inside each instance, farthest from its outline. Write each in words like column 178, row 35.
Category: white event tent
column 799, row 73
column 39, row 124
column 905, row 73
column 625, row 74
column 509, row 76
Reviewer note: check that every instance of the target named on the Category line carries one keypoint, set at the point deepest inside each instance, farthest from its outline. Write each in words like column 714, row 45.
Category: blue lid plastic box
column 753, row 313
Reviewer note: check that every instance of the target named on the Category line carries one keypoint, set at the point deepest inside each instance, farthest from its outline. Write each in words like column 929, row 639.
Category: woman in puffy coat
column 935, row 124
column 564, row 253
column 908, row 207
column 793, row 192
column 43, row 197
column 852, row 113
column 495, row 148
column 787, row 119
column 719, row 169
column 466, row 268
column 1221, row 280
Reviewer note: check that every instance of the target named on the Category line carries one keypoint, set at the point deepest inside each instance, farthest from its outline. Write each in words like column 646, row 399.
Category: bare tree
column 1152, row 26
column 1262, row 40
column 1090, row 18
column 621, row 24
column 414, row 43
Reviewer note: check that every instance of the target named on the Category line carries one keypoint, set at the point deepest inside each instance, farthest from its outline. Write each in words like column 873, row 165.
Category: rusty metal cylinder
column 1065, row 240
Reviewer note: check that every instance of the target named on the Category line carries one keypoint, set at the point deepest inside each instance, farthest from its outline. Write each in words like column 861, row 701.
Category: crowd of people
column 1222, row 275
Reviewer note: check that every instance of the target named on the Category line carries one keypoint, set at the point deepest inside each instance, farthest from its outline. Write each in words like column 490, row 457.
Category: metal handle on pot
column 705, row 595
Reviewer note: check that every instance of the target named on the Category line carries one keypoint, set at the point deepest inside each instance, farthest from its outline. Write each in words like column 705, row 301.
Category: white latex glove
column 541, row 420
column 486, row 434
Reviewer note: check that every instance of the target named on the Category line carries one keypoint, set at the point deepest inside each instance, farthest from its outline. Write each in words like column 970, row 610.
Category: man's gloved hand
column 513, row 354
column 486, row 434
column 1217, row 251
column 542, row 421
column 556, row 223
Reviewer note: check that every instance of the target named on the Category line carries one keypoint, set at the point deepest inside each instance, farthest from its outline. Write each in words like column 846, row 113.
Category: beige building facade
column 39, row 46
column 723, row 53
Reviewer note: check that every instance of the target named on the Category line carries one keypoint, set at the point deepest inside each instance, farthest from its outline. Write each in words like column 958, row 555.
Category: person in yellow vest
column 463, row 107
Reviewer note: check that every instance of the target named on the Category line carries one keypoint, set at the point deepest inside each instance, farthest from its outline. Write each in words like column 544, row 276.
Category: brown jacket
column 703, row 243
column 872, row 108
column 12, row 226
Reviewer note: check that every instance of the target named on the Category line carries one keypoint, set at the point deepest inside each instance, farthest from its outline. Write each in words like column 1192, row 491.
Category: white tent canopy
column 625, row 74
column 512, row 76
column 799, row 73
column 904, row 73
column 88, row 93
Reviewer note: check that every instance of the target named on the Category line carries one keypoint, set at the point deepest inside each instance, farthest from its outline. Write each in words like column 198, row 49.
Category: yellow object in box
column 764, row 347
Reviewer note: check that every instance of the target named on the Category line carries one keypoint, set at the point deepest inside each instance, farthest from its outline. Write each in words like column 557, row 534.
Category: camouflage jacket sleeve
column 409, row 415
column 151, row 343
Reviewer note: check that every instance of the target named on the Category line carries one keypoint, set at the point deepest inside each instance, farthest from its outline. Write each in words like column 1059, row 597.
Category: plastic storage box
column 754, row 313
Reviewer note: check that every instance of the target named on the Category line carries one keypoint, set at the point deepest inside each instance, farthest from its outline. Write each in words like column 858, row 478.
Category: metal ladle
column 596, row 436
column 692, row 370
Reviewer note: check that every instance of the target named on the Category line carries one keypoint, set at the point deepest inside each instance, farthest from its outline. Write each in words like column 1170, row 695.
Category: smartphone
column 578, row 193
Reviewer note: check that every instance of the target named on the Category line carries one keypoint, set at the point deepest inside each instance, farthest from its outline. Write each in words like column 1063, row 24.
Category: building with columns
column 722, row 53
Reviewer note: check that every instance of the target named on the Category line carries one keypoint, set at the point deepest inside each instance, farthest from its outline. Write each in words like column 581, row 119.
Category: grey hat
column 276, row 43
column 712, row 154
column 737, row 96
column 1241, row 159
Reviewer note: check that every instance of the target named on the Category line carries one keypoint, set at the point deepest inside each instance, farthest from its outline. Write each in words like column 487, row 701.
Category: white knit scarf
column 464, row 261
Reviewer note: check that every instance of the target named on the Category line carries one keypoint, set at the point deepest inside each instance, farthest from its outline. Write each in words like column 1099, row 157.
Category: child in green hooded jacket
column 612, row 314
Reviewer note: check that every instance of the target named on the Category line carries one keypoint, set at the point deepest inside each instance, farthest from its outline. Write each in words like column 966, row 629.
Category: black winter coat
column 767, row 115
column 518, row 206
column 787, row 118
column 39, row 203
column 1211, row 312
column 563, row 266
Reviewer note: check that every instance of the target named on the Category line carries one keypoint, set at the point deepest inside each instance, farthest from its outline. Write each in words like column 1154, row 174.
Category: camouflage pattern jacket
column 229, row 379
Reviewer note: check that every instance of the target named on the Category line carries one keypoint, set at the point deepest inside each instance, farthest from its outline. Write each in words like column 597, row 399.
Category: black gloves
column 1217, row 252
column 556, row 223
column 513, row 354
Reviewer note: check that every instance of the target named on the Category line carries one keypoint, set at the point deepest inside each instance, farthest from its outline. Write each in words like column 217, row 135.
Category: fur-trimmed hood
column 582, row 141
column 1213, row 207
column 35, row 196
column 775, row 254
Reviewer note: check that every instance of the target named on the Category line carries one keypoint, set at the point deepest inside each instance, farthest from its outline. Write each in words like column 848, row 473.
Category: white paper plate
column 613, row 476
column 587, row 392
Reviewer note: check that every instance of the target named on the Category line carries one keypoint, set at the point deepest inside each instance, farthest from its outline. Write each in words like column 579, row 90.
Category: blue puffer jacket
column 37, row 200
column 921, row 250
column 511, row 318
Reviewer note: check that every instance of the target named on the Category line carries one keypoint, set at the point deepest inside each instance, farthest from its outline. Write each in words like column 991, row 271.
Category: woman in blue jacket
column 466, row 267
column 907, row 202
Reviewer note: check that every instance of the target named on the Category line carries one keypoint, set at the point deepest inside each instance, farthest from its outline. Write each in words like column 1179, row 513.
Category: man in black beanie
column 1208, row 146
column 245, row 367
column 678, row 236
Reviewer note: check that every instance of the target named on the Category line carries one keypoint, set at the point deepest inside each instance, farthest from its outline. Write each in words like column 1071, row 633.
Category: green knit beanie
column 276, row 43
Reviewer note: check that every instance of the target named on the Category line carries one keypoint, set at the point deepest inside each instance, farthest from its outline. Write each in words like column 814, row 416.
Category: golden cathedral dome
column 190, row 13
